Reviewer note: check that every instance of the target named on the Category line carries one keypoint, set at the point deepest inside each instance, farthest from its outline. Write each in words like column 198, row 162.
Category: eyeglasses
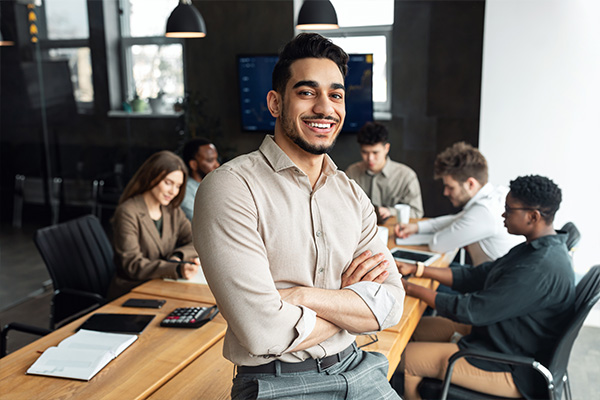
column 372, row 339
column 508, row 209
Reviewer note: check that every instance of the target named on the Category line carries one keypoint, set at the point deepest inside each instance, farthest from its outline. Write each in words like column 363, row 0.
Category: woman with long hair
column 152, row 236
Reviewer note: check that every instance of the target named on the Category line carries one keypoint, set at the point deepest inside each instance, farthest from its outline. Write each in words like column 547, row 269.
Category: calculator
column 189, row 317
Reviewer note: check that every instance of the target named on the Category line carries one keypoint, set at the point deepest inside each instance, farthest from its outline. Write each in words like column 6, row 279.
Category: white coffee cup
column 403, row 211
column 383, row 233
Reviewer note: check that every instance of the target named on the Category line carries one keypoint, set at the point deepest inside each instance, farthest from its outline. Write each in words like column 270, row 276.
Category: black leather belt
column 310, row 364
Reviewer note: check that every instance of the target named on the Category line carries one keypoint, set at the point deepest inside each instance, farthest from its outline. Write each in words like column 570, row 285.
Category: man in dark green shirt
column 517, row 304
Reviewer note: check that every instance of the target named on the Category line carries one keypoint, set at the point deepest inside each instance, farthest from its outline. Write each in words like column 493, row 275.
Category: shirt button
column 318, row 234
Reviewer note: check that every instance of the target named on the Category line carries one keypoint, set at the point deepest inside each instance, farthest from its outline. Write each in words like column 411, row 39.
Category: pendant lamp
column 317, row 15
column 185, row 22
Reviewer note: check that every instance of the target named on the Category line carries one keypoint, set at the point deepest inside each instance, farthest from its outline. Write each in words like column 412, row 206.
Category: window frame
column 125, row 44
column 45, row 45
column 381, row 110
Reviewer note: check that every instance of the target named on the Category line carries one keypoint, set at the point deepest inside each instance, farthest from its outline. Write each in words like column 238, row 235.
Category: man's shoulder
column 398, row 167
column 243, row 164
column 191, row 185
column 354, row 169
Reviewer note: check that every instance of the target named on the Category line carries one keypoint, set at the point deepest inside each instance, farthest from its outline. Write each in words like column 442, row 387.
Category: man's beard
column 200, row 173
column 290, row 131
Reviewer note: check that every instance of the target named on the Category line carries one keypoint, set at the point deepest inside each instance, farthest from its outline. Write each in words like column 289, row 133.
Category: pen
column 180, row 262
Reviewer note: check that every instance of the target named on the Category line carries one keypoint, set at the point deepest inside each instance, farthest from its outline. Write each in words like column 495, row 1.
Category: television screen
column 254, row 74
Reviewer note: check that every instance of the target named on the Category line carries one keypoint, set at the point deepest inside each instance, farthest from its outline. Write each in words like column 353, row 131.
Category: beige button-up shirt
column 259, row 226
column 395, row 184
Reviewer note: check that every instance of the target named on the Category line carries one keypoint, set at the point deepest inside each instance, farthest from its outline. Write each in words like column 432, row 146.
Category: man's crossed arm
column 340, row 309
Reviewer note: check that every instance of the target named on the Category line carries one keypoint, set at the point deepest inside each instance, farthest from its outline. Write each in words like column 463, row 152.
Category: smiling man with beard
column 290, row 250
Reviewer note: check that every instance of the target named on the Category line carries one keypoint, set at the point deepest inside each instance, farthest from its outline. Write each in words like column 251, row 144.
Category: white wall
column 540, row 104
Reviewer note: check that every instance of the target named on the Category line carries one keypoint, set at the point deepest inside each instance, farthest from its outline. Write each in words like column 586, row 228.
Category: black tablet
column 117, row 323
column 414, row 256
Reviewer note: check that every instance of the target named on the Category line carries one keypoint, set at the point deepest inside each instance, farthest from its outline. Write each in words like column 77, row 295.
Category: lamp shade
column 317, row 15
column 185, row 22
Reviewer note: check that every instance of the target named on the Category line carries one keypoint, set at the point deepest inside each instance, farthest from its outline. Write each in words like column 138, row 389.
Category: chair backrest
column 587, row 295
column 78, row 255
column 573, row 235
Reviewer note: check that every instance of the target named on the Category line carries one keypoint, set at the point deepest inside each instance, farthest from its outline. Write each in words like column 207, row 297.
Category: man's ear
column 472, row 183
column 274, row 103
column 535, row 216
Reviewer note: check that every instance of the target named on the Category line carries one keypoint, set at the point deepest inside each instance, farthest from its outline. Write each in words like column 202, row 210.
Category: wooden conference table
column 167, row 363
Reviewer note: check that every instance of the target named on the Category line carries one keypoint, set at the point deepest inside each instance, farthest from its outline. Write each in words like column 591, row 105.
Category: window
column 152, row 63
column 366, row 27
column 64, row 36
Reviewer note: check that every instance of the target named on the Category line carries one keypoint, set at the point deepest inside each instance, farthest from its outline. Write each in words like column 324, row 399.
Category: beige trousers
column 427, row 356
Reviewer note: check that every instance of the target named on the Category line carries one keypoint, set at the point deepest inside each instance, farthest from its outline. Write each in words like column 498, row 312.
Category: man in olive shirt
column 516, row 305
column 289, row 247
column 386, row 182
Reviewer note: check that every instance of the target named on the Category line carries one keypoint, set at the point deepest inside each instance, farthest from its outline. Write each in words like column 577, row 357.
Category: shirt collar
column 280, row 161
column 485, row 191
column 191, row 182
column 550, row 240
column 385, row 171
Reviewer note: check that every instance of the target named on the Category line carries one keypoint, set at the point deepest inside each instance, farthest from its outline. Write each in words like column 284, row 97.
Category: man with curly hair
column 478, row 226
column 516, row 305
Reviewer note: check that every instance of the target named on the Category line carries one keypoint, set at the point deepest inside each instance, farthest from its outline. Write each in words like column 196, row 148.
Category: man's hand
column 420, row 292
column 406, row 269
column 384, row 212
column 405, row 230
column 366, row 268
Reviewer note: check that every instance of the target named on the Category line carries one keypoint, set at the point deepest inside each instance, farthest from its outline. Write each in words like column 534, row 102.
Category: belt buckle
column 319, row 369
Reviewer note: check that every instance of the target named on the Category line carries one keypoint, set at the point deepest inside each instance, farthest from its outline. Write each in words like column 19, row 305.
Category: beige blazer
column 140, row 251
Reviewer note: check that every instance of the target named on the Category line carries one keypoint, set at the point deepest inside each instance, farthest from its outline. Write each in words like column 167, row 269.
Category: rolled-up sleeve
column 235, row 262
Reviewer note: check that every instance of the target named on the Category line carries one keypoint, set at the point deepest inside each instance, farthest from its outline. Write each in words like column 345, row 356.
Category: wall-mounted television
column 254, row 77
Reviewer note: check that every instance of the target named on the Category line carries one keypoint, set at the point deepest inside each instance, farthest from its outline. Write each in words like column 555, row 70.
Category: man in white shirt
column 479, row 225
column 386, row 182
column 201, row 157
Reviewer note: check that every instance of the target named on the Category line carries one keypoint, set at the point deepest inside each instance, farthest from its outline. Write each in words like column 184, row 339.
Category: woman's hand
column 188, row 271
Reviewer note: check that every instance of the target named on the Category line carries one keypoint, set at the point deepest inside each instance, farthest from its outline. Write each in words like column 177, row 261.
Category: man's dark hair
column 372, row 133
column 461, row 161
column 191, row 148
column 537, row 192
column 306, row 45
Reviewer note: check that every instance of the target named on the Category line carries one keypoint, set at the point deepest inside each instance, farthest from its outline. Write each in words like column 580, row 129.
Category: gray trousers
column 362, row 375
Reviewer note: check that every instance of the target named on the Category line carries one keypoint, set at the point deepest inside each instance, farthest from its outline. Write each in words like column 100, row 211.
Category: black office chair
column 573, row 236
column 555, row 373
column 79, row 258
column 17, row 326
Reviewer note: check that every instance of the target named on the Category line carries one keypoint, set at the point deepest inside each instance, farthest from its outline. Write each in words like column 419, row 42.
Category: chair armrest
column 95, row 297
column 69, row 304
column 490, row 356
column 17, row 326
